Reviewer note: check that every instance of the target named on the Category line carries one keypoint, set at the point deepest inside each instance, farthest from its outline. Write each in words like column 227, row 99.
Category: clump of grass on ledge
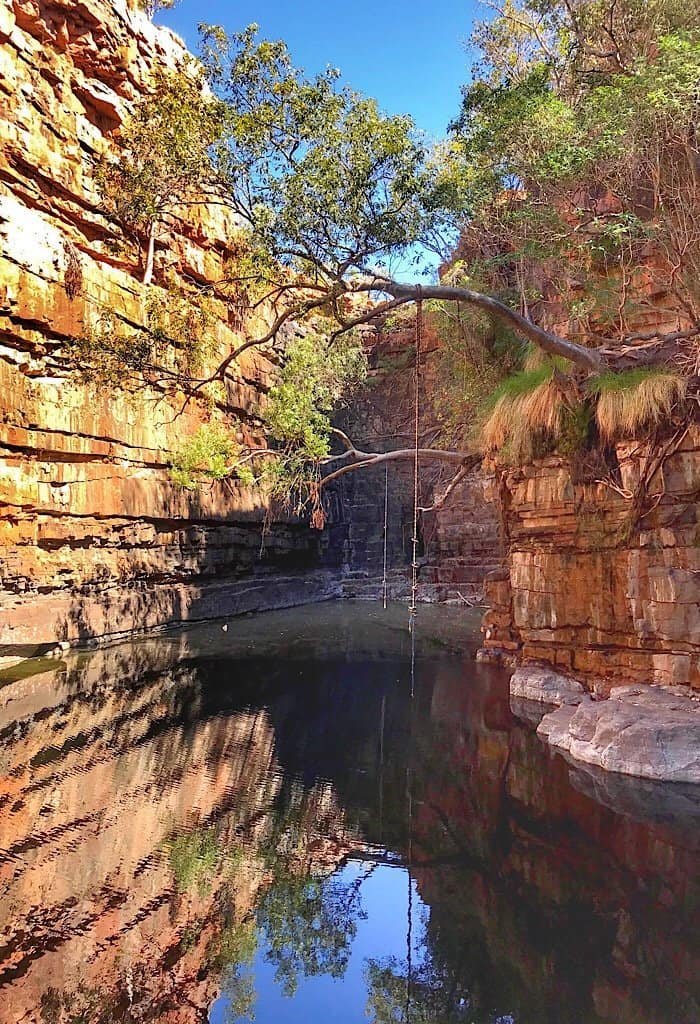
column 635, row 400
column 527, row 405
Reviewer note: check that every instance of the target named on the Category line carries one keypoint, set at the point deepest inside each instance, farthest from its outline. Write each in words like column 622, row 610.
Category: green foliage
column 309, row 924
column 164, row 160
column 194, row 858
column 534, row 412
column 612, row 382
column 519, row 384
column 109, row 353
column 575, row 429
column 436, row 998
column 178, row 335
column 637, row 400
column 323, row 178
column 208, row 455
column 185, row 321
column 315, row 379
column 235, row 946
column 540, row 410
column 572, row 156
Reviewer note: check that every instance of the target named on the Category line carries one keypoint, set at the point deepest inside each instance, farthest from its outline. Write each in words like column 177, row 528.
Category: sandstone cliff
column 593, row 590
column 94, row 537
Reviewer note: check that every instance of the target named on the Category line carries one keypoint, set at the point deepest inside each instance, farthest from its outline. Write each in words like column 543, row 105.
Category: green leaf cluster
column 316, row 378
column 210, row 454
column 165, row 152
column 194, row 857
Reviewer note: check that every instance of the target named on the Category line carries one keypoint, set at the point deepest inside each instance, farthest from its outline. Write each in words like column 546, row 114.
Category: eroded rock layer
column 94, row 537
column 599, row 585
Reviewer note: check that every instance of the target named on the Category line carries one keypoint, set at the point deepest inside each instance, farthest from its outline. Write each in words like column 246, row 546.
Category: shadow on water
column 260, row 820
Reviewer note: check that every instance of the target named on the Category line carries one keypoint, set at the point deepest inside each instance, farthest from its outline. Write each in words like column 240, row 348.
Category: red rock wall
column 89, row 908
column 588, row 595
column 460, row 541
column 94, row 537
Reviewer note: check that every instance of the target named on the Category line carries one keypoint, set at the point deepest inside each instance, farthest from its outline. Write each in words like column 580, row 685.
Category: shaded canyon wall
column 460, row 543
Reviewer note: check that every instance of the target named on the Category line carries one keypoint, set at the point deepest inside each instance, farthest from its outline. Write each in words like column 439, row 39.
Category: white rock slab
column 647, row 732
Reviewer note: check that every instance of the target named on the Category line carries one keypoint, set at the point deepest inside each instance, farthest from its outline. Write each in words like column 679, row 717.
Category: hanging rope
column 414, row 563
column 386, row 531
column 409, row 923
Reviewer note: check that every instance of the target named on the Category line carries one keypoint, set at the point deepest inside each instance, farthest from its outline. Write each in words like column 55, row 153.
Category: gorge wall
column 589, row 587
column 94, row 537
column 460, row 541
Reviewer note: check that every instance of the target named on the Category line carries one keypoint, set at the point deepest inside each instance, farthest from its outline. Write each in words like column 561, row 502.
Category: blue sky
column 409, row 55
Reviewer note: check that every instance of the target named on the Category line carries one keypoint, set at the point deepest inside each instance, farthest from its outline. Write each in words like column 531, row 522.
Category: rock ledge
column 651, row 732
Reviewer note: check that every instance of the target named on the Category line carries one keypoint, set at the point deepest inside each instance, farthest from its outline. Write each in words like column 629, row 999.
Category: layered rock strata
column 459, row 541
column 595, row 588
column 95, row 539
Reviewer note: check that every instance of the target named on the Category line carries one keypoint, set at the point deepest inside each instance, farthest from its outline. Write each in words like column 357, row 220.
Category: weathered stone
column 586, row 592
column 642, row 731
column 545, row 686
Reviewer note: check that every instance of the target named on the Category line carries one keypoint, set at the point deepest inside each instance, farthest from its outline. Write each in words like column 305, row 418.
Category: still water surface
column 265, row 823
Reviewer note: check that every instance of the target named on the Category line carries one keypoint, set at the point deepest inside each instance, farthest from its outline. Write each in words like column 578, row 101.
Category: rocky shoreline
column 650, row 731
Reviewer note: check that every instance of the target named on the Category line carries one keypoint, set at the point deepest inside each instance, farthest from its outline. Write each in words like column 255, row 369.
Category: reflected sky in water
column 259, row 822
column 381, row 933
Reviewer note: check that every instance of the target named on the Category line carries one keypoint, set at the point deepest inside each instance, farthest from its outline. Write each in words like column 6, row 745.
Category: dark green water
column 282, row 822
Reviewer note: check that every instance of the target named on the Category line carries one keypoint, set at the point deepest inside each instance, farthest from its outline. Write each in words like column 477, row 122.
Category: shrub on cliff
column 164, row 163
column 151, row 7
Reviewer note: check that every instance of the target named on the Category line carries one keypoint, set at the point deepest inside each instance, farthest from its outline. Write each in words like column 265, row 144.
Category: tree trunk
column 150, row 254
column 553, row 344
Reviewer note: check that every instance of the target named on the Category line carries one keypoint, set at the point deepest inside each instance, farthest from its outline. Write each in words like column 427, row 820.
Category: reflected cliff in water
column 263, row 821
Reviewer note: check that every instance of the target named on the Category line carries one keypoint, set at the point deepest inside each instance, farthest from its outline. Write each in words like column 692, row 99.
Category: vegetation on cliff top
column 568, row 188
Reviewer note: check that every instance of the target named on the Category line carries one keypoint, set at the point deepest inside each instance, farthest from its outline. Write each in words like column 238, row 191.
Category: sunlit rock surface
column 94, row 537
column 592, row 593
column 642, row 731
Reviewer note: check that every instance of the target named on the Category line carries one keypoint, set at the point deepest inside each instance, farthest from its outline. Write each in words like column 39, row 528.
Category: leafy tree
column 151, row 7
column 164, row 162
column 333, row 190
column 575, row 156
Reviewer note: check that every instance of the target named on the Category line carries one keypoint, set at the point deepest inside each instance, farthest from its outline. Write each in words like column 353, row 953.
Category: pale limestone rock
column 544, row 685
column 647, row 732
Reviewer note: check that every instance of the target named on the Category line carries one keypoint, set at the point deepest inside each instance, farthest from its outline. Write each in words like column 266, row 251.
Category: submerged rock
column 650, row 732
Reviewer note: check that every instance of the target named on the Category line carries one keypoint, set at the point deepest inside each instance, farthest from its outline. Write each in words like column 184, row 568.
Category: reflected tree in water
column 431, row 995
column 309, row 925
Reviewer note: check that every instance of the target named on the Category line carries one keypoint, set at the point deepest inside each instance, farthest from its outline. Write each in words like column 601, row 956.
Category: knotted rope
column 414, row 563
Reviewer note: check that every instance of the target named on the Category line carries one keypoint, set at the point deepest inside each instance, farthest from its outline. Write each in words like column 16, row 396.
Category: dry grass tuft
column 635, row 400
column 526, row 406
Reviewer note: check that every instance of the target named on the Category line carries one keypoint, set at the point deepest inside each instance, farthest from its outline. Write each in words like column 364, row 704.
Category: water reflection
column 215, row 825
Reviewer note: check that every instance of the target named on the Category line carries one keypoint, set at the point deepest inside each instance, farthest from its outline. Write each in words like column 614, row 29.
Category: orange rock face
column 107, row 779
column 94, row 537
column 591, row 592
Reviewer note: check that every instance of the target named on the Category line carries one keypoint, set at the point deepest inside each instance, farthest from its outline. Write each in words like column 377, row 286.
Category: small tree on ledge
column 164, row 162
column 151, row 7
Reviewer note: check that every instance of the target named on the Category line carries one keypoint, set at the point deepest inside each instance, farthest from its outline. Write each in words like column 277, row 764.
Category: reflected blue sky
column 381, row 934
